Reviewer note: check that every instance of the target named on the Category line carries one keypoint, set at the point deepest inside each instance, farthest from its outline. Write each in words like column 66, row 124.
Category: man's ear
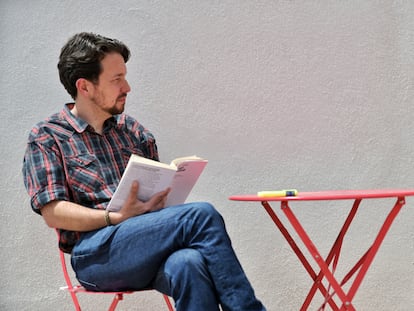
column 84, row 87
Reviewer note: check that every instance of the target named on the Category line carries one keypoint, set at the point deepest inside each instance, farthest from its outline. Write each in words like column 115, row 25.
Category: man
column 72, row 166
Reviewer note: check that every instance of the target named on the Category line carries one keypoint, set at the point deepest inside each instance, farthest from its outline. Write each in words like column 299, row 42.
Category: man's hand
column 134, row 207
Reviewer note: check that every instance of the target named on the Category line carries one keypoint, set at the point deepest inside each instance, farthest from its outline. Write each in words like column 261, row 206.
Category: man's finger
column 159, row 197
column 133, row 193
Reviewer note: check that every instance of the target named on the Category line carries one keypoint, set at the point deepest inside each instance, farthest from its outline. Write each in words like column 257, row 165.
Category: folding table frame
column 359, row 270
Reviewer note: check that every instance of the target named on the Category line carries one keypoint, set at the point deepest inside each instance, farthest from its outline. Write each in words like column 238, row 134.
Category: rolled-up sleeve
column 43, row 173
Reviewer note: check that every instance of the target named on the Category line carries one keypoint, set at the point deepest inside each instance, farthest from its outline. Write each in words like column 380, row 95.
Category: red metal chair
column 75, row 289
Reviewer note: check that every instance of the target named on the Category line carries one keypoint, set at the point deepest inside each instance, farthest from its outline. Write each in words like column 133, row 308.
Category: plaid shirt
column 67, row 160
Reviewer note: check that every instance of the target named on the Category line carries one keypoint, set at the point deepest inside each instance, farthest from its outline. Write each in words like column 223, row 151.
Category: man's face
column 111, row 90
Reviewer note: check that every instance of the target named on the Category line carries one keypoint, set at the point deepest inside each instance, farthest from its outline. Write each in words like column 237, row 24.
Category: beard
column 117, row 107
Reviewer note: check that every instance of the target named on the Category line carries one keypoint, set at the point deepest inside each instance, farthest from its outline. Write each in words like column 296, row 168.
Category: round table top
column 330, row 195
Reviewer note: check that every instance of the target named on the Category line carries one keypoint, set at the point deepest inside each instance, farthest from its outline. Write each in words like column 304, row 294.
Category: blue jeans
column 183, row 251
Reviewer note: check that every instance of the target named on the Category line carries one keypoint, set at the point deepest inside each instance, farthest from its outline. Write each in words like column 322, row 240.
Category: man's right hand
column 134, row 207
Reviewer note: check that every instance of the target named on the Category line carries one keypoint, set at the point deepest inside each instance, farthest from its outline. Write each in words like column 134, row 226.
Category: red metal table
column 358, row 271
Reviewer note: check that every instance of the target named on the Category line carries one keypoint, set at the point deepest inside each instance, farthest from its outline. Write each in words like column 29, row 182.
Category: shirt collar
column 79, row 125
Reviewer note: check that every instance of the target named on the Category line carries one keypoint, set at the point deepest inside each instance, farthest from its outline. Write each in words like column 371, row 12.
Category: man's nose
column 126, row 88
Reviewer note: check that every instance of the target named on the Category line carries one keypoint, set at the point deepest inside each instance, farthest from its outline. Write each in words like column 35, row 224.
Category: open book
column 181, row 176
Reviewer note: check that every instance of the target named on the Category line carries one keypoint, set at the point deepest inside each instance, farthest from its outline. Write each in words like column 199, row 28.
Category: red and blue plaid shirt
column 67, row 160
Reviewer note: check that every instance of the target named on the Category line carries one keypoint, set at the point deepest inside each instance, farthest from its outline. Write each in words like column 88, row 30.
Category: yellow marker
column 278, row 193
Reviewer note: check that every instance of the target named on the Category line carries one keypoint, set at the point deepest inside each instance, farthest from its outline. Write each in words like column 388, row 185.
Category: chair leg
column 115, row 301
column 75, row 300
column 168, row 302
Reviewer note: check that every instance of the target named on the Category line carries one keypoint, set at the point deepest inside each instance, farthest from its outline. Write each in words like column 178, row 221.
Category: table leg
column 300, row 255
column 333, row 255
column 362, row 265
column 318, row 258
column 375, row 246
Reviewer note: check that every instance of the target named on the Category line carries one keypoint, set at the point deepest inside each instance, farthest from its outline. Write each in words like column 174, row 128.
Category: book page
column 139, row 159
column 152, row 179
column 184, row 180
column 178, row 161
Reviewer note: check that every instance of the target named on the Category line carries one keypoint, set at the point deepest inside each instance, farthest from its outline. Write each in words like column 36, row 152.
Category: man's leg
column 129, row 255
column 185, row 277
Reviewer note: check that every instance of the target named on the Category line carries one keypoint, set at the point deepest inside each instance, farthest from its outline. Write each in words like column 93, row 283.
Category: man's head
column 81, row 57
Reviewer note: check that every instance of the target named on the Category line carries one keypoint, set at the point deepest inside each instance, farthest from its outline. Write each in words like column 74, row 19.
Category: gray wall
column 313, row 95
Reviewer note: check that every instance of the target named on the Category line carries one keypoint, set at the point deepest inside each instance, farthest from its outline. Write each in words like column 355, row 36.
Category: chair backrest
column 75, row 289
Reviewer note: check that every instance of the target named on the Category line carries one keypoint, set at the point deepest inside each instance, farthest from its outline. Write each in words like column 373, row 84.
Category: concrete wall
column 313, row 95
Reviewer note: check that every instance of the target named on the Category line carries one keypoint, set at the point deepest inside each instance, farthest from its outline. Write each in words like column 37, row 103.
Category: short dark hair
column 81, row 57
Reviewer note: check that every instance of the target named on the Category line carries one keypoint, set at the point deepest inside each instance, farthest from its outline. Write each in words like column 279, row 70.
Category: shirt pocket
column 85, row 173
column 127, row 152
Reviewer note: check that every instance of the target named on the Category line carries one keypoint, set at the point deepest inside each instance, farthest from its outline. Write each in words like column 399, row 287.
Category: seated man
column 72, row 166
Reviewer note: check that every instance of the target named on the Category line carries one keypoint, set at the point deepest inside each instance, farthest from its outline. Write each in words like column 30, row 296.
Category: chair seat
column 81, row 289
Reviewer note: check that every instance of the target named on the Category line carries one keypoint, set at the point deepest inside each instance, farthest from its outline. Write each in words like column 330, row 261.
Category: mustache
column 123, row 95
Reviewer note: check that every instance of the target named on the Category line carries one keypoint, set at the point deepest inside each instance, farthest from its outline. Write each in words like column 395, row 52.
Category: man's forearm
column 75, row 217
column 71, row 216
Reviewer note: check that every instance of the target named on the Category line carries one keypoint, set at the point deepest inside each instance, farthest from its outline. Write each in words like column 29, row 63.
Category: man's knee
column 184, row 260
column 207, row 210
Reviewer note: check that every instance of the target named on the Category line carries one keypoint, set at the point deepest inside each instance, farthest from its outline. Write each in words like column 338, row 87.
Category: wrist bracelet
column 107, row 219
